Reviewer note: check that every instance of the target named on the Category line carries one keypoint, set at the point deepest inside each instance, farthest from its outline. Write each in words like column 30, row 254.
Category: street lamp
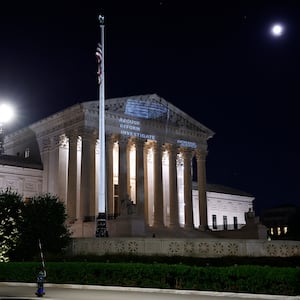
column 6, row 114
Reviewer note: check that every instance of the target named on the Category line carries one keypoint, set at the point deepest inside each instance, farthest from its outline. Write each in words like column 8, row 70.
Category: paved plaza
column 25, row 291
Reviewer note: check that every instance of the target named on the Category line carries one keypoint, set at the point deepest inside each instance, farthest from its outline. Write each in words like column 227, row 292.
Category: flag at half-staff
column 99, row 57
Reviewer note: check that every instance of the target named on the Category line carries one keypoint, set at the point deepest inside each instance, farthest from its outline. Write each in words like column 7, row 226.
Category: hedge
column 243, row 278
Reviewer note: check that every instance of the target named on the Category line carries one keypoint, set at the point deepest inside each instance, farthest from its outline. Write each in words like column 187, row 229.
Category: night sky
column 216, row 61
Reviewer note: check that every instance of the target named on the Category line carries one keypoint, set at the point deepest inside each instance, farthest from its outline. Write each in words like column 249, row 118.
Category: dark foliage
column 11, row 221
column 44, row 219
column 244, row 278
column 292, row 261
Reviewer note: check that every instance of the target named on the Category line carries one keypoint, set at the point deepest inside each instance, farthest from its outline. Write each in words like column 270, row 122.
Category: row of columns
column 85, row 187
column 86, row 182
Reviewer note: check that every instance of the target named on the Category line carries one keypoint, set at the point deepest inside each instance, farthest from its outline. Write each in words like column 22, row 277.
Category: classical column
column 110, row 140
column 123, row 169
column 158, row 189
column 46, row 147
column 72, row 177
column 174, row 214
column 54, row 166
column 146, row 186
column 130, row 144
column 187, row 182
column 62, row 167
column 88, row 180
column 139, row 174
column 201, row 174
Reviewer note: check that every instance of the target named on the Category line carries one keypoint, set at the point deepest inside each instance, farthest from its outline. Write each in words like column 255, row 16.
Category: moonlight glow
column 277, row 30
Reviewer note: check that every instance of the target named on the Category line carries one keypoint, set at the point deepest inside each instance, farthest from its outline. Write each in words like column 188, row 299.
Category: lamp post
column 101, row 228
column 6, row 114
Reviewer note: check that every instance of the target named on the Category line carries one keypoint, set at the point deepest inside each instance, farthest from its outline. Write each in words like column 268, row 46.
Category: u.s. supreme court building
column 155, row 169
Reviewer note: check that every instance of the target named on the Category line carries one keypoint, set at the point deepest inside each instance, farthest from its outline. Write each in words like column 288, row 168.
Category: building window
column 225, row 225
column 26, row 153
column 278, row 231
column 285, row 229
column 235, row 223
column 272, row 231
column 214, row 221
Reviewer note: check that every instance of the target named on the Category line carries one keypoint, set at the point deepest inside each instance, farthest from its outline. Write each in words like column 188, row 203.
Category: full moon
column 277, row 30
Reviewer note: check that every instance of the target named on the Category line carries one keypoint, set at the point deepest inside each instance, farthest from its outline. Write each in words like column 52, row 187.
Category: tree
column 11, row 221
column 44, row 219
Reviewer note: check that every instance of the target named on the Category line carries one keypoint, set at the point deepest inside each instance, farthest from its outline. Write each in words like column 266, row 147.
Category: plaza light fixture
column 6, row 115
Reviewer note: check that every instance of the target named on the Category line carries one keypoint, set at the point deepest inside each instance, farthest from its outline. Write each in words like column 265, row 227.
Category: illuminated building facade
column 282, row 222
column 151, row 147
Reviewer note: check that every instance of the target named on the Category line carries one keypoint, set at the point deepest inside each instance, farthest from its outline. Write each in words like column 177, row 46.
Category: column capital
column 72, row 134
column 122, row 139
column 131, row 142
column 171, row 147
column 186, row 152
column 57, row 141
column 89, row 134
column 63, row 141
column 158, row 145
column 112, row 138
column 138, row 141
column 201, row 154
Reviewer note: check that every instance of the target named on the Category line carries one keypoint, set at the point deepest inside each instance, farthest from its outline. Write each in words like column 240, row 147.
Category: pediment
column 154, row 108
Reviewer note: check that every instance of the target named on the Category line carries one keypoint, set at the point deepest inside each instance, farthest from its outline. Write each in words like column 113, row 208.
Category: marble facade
column 151, row 147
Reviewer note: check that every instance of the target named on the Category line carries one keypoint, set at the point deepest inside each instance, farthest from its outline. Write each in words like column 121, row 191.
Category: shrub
column 246, row 278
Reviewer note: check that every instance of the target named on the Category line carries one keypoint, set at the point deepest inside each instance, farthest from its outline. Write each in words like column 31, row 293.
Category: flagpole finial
column 101, row 19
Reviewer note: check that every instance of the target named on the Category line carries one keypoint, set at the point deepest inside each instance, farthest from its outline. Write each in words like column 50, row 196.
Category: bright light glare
column 6, row 113
column 277, row 30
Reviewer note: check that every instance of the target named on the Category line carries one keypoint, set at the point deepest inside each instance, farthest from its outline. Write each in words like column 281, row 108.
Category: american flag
column 99, row 61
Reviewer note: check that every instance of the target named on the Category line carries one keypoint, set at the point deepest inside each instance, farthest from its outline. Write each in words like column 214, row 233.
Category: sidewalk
column 145, row 290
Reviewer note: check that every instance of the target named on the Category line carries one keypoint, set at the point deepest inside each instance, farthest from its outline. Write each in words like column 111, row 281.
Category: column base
column 188, row 227
column 174, row 226
column 127, row 226
column 203, row 228
column 82, row 228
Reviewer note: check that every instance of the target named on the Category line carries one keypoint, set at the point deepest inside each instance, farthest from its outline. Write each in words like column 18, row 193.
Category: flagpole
column 101, row 229
column 42, row 255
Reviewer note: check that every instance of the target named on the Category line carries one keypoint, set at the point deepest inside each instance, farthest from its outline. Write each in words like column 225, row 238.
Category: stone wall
column 25, row 181
column 184, row 247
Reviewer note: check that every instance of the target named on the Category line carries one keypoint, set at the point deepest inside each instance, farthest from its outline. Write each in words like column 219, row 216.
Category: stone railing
column 184, row 247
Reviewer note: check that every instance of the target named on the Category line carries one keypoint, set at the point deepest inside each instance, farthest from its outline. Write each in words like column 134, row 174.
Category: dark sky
column 216, row 61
